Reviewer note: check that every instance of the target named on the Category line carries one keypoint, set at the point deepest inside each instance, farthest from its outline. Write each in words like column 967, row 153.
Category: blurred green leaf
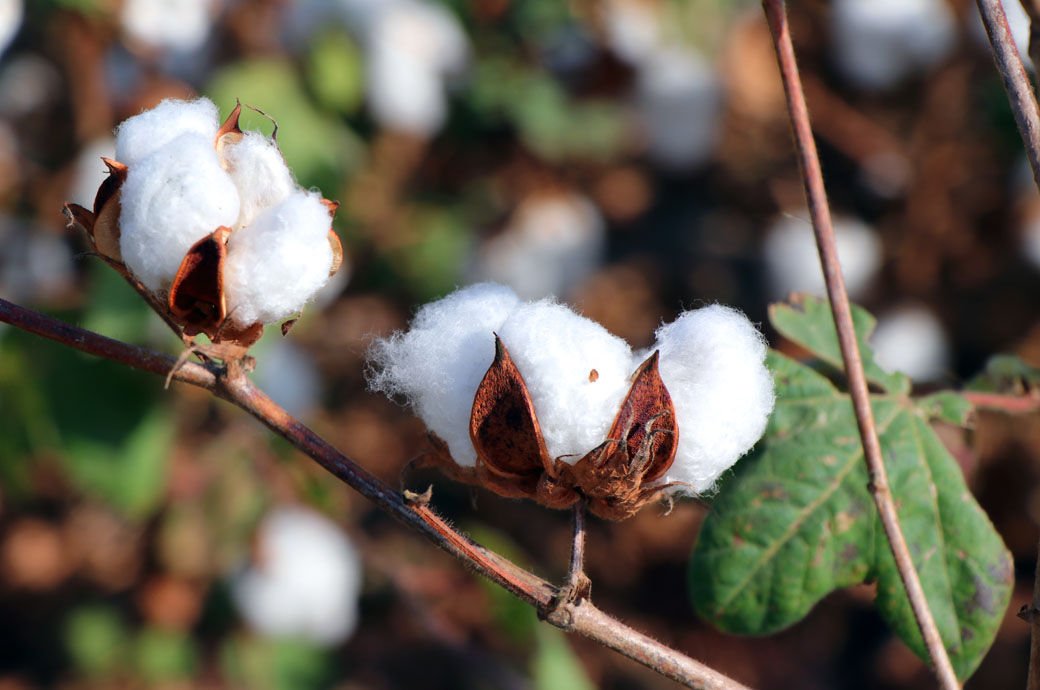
column 434, row 262
column 807, row 321
column 265, row 664
column 555, row 665
column 797, row 521
column 512, row 616
column 163, row 656
column 319, row 149
column 335, row 72
column 113, row 307
column 96, row 640
column 1006, row 374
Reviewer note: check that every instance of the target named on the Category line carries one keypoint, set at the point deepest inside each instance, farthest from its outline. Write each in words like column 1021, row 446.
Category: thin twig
column 999, row 402
column 1032, row 8
column 233, row 385
column 1016, row 81
column 819, row 211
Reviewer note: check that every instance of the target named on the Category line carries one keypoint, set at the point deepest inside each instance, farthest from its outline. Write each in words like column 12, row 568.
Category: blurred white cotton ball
column 35, row 265
column 139, row 136
column 11, row 12
column 170, row 200
column 440, row 360
column 169, row 24
column 90, row 171
column 680, row 105
column 912, row 340
column 633, row 28
column 412, row 47
column 29, row 83
column 712, row 360
column 306, row 580
column 552, row 244
column 288, row 375
column 556, row 350
column 275, row 265
column 879, row 43
column 793, row 264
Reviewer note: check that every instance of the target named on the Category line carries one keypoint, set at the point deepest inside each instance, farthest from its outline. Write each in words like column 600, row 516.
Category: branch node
column 419, row 500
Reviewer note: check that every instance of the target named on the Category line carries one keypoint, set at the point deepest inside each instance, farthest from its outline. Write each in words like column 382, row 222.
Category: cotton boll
column 712, row 360
column 170, row 200
column 680, row 105
column 143, row 134
column 442, row 358
column 169, row 24
column 879, row 43
column 276, row 264
column 556, row 350
column 11, row 13
column 633, row 28
column 259, row 172
column 29, row 83
column 912, row 340
column 793, row 264
column 551, row 245
column 306, row 581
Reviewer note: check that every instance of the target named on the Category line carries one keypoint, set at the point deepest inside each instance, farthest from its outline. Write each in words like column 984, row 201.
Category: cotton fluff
column 170, row 200
column 439, row 362
column 556, row 350
column 793, row 262
column 143, row 134
column 551, row 245
column 912, row 340
column 712, row 360
column 278, row 262
column 879, row 43
column 259, row 172
column 305, row 582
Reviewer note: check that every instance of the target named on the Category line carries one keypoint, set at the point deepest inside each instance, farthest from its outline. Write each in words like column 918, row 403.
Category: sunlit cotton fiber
column 259, row 172
column 712, row 361
column 277, row 263
column 170, row 200
column 305, row 581
column 142, row 134
column 440, row 360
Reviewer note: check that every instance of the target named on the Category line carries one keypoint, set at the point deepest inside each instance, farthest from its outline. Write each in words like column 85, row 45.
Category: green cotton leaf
column 797, row 522
column 808, row 322
column 1006, row 374
column 96, row 640
column 335, row 71
column 276, row 664
column 555, row 665
column 164, row 656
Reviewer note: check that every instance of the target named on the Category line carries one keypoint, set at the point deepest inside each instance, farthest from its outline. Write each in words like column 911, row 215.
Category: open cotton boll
column 712, row 360
column 912, row 340
column 879, row 43
column 306, row 581
column 556, row 351
column 141, row 135
column 440, row 361
column 276, row 264
column 793, row 263
column 170, row 200
column 259, row 172
column 552, row 244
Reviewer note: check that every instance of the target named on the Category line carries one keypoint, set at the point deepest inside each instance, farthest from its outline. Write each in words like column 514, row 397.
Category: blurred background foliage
column 629, row 156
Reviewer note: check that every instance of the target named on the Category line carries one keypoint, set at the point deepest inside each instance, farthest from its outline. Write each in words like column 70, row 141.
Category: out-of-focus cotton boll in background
column 28, row 83
column 179, row 25
column 413, row 47
column 551, row 245
column 910, row 338
column 792, row 261
column 632, row 28
column 11, row 12
column 879, row 43
column 305, row 579
column 35, row 265
column 287, row 373
column 680, row 106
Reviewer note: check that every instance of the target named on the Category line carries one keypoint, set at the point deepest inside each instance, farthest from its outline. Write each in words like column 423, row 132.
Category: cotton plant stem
column 819, row 211
column 1016, row 81
column 232, row 385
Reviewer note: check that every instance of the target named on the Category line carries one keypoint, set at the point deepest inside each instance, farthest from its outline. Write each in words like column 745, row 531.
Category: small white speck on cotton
column 170, row 200
column 712, row 360
column 439, row 362
column 555, row 349
column 141, row 135
column 260, row 173
column 276, row 264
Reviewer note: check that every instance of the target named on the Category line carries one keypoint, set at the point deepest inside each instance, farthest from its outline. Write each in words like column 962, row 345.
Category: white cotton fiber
column 276, row 264
column 170, row 200
column 555, row 351
column 439, row 362
column 712, row 361
column 141, row 135
column 260, row 173
column 306, row 580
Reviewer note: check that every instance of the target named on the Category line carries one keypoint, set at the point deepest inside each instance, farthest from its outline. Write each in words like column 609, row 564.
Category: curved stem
column 819, row 211
column 232, row 384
